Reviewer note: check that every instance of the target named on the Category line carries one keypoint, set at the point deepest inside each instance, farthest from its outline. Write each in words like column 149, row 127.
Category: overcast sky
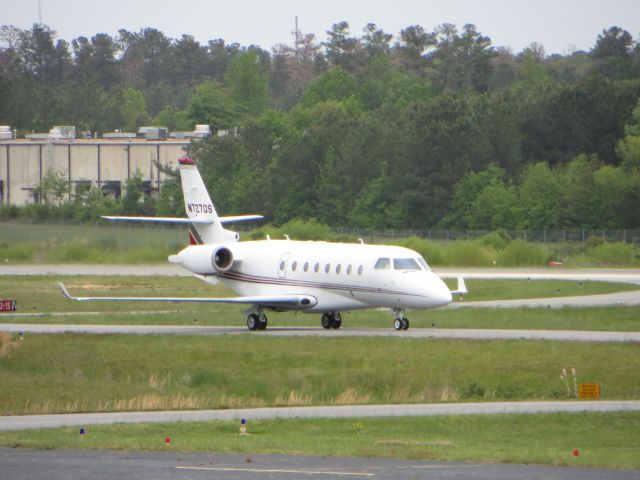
column 561, row 26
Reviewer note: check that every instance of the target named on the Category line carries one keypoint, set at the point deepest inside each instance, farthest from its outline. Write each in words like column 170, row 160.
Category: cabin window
column 316, row 268
column 327, row 267
column 306, row 266
column 338, row 268
column 383, row 264
column 423, row 264
column 282, row 265
column 349, row 268
column 360, row 269
column 405, row 264
column 294, row 265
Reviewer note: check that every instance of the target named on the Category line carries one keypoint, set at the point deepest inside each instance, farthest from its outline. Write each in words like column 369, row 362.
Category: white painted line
column 279, row 470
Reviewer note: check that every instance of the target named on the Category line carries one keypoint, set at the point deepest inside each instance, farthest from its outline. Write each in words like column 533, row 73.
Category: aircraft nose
column 439, row 294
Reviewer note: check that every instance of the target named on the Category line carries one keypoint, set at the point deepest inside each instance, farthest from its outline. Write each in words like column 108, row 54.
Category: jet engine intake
column 205, row 259
column 222, row 259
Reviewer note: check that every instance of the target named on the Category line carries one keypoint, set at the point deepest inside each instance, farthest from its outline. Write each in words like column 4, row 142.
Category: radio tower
column 296, row 37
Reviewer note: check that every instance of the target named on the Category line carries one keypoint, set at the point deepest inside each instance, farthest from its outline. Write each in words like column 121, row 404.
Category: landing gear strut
column 257, row 321
column 331, row 320
column 401, row 322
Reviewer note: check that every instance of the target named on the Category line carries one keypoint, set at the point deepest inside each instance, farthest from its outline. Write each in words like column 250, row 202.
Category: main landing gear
column 401, row 322
column 331, row 320
column 257, row 321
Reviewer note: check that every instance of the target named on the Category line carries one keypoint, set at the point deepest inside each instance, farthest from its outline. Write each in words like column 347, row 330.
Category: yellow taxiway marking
column 279, row 470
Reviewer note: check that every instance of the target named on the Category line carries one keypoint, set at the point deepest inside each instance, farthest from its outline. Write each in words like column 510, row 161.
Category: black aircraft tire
column 253, row 322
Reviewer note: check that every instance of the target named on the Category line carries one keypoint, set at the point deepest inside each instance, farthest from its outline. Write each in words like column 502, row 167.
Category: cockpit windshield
column 423, row 264
column 383, row 264
column 405, row 264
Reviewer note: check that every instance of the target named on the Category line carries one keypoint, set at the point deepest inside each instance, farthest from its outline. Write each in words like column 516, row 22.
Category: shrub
column 70, row 252
column 621, row 254
column 469, row 254
column 432, row 253
column 497, row 240
column 306, row 230
column 520, row 254
column 13, row 252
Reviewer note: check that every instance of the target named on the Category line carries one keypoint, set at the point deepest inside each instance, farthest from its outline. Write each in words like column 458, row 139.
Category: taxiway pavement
column 81, row 464
column 26, row 422
column 456, row 333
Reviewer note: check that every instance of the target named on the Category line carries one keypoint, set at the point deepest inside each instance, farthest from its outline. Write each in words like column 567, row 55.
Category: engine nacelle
column 205, row 259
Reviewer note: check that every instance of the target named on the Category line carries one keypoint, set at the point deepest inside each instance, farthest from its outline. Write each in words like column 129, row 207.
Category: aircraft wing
column 288, row 302
column 223, row 220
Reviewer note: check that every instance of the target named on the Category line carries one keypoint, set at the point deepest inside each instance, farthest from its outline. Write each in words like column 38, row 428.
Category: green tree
column 335, row 84
column 249, row 86
column 212, row 104
column 539, row 194
column 54, row 187
column 133, row 199
column 613, row 53
column 134, row 110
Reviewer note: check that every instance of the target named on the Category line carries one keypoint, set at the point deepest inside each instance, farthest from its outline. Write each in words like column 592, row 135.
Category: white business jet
column 305, row 276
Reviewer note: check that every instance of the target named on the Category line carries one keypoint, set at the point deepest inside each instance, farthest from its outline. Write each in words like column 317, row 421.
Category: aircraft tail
column 202, row 219
column 206, row 226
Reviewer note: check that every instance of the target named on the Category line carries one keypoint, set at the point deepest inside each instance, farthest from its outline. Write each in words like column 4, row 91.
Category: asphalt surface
column 456, row 333
column 26, row 422
column 26, row 464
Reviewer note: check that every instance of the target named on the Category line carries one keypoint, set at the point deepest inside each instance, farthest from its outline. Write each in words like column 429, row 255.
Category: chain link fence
column 541, row 236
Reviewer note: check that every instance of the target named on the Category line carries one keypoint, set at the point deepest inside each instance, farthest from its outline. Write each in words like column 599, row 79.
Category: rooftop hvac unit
column 63, row 131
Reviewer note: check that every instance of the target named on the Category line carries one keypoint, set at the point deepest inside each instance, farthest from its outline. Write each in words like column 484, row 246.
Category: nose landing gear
column 331, row 320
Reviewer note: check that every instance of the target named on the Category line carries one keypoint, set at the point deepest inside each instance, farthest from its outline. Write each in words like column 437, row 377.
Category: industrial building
column 105, row 163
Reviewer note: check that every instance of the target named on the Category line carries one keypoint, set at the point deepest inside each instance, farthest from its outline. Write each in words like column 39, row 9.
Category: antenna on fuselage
column 268, row 237
column 286, row 236
column 361, row 241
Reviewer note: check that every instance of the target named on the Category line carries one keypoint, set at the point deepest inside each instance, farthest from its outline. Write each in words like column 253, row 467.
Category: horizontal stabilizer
column 462, row 288
column 300, row 302
column 174, row 220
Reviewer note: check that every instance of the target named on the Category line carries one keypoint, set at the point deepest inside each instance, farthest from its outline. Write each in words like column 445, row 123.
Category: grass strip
column 98, row 373
column 602, row 439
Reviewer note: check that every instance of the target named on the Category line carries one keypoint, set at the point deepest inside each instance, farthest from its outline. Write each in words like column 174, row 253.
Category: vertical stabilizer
column 199, row 206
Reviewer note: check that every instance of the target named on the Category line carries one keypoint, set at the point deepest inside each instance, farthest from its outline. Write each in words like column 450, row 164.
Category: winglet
column 64, row 291
column 462, row 287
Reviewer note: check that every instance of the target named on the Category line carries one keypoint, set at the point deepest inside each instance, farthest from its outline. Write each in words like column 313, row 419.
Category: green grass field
column 92, row 373
column 603, row 439
column 86, row 373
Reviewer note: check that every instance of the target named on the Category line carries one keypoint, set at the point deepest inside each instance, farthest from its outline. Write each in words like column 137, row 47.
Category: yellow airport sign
column 589, row 391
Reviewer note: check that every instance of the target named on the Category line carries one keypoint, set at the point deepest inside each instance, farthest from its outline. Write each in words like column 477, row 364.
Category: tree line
column 424, row 129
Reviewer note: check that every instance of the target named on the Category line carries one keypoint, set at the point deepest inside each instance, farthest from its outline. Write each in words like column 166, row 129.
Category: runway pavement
column 26, row 422
column 457, row 333
column 81, row 464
